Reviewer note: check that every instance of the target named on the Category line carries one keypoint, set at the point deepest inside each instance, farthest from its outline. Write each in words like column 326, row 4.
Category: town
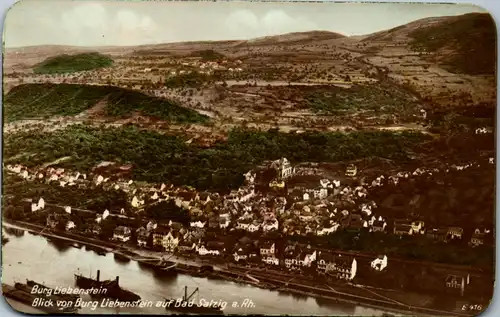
column 357, row 170
column 256, row 224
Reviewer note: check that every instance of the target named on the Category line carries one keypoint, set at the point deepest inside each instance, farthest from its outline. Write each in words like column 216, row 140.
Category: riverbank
column 280, row 282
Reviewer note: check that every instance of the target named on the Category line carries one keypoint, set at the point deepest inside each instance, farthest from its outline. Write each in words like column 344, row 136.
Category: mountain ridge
column 314, row 34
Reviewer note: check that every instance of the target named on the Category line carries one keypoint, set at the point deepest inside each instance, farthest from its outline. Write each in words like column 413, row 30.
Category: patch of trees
column 417, row 248
column 220, row 167
column 191, row 79
column 91, row 198
column 73, row 63
column 43, row 100
column 208, row 55
column 167, row 210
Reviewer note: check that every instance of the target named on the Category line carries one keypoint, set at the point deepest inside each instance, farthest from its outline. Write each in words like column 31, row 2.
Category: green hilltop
column 73, row 63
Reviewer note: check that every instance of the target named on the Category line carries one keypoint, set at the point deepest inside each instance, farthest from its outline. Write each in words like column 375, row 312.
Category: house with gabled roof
column 338, row 266
column 186, row 246
column 455, row 233
column 378, row 226
column 403, row 227
column 166, row 238
column 267, row 248
column 142, row 236
column 240, row 253
column 122, row 233
column 437, row 234
column 477, row 238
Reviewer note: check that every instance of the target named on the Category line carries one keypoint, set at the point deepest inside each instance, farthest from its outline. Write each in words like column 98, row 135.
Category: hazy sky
column 96, row 23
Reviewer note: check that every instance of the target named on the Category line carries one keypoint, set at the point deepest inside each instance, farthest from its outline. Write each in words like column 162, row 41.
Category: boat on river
column 112, row 288
column 98, row 250
column 121, row 257
column 23, row 294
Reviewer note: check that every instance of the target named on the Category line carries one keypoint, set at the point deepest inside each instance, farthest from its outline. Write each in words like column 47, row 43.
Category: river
column 34, row 257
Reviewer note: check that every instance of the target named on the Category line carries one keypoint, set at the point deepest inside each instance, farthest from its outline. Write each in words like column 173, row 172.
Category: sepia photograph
column 248, row 158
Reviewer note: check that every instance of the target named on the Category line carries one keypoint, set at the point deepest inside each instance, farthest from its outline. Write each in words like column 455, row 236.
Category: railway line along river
column 34, row 257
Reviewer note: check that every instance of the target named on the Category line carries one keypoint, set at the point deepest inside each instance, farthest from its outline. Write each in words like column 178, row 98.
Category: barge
column 163, row 266
column 121, row 257
column 108, row 288
column 100, row 251
column 48, row 304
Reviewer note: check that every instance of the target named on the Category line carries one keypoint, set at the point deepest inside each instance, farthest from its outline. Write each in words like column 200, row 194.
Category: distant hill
column 72, row 63
column 461, row 44
column 470, row 40
column 43, row 100
column 293, row 38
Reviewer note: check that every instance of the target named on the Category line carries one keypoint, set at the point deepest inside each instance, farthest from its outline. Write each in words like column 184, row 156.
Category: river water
column 34, row 257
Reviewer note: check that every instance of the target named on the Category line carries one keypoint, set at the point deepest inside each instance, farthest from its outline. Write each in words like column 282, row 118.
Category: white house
column 320, row 193
column 135, row 202
column 367, row 209
column 271, row 260
column 224, row 222
column 197, row 224
column 70, row 225
column 309, row 258
column 341, row 267
column 122, row 233
column 38, row 206
column 164, row 238
column 324, row 183
column 481, row 131
column 204, row 251
column 253, row 227
column 271, row 224
column 327, row 231
column 152, row 225
column 380, row 263
column 418, row 227
column 243, row 223
column 240, row 255
column 267, row 249
column 170, row 242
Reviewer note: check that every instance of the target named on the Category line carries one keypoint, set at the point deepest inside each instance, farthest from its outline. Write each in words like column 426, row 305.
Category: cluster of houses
column 292, row 257
column 187, row 65
column 308, row 211
column 409, row 228
column 320, row 211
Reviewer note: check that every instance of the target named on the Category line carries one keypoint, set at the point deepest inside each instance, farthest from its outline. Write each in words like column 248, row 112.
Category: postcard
column 248, row 158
